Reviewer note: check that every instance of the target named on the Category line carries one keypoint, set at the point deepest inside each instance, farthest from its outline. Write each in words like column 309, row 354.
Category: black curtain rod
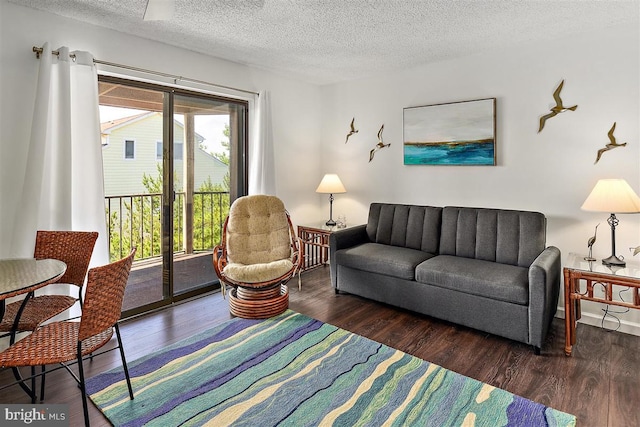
column 38, row 51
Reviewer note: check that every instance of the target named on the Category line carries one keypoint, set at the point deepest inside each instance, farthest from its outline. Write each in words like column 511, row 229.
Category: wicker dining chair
column 65, row 341
column 74, row 248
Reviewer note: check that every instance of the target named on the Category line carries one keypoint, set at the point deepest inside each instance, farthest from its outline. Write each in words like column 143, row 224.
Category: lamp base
column 615, row 261
column 330, row 223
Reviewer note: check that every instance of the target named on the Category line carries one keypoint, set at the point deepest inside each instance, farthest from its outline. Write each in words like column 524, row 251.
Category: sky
column 210, row 127
column 458, row 121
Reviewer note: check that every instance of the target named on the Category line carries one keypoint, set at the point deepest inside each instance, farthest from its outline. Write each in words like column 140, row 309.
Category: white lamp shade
column 331, row 184
column 613, row 196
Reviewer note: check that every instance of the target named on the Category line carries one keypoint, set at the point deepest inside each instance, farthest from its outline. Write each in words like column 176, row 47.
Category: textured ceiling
column 326, row 41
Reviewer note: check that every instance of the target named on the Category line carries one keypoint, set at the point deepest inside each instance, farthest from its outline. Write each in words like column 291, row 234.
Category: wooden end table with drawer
column 581, row 277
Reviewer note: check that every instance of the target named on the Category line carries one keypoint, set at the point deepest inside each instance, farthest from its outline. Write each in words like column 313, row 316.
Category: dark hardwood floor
column 600, row 384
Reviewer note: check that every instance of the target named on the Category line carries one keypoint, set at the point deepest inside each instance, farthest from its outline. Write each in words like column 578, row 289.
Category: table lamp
column 331, row 184
column 614, row 196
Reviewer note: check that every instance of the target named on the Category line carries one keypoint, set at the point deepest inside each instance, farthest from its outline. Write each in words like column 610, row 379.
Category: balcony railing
column 136, row 220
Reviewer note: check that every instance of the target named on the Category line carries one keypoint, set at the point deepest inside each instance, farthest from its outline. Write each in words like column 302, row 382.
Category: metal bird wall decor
column 379, row 145
column 590, row 244
column 635, row 250
column 352, row 130
column 612, row 144
column 557, row 109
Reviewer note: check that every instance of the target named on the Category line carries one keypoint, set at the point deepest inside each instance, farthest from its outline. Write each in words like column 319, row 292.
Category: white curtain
column 262, row 178
column 63, row 186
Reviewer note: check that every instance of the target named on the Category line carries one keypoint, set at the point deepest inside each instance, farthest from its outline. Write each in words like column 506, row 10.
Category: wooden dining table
column 23, row 276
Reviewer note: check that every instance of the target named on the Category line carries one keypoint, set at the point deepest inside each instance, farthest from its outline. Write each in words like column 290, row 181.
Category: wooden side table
column 582, row 277
column 315, row 239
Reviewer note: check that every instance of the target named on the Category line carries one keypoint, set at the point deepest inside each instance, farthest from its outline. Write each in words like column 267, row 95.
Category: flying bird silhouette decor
column 590, row 243
column 635, row 250
column 557, row 109
column 613, row 144
column 351, row 131
column 379, row 145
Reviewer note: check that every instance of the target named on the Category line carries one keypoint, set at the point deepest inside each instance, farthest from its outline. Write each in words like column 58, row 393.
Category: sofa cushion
column 383, row 259
column 504, row 236
column 408, row 226
column 477, row 277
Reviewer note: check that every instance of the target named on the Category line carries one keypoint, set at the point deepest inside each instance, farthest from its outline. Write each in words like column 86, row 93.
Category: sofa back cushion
column 504, row 236
column 409, row 226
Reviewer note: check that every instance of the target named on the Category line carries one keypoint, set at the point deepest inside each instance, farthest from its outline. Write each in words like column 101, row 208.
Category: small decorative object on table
column 590, row 243
column 342, row 221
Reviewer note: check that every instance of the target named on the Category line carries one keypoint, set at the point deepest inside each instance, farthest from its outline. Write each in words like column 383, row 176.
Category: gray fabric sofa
column 488, row 269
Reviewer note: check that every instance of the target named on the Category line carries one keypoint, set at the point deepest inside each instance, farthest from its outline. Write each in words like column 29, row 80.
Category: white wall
column 551, row 172
column 295, row 105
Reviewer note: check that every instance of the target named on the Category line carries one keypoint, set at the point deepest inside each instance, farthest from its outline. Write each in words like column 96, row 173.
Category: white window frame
column 124, row 149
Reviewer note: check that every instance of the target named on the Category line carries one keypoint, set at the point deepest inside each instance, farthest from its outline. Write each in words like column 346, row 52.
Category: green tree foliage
column 140, row 225
column 224, row 156
column 210, row 208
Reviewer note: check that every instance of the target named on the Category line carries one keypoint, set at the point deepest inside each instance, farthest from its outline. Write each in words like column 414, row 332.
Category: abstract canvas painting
column 456, row 133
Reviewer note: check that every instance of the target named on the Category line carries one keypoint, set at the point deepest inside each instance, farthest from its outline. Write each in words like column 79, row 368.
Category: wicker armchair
column 66, row 341
column 74, row 248
column 258, row 255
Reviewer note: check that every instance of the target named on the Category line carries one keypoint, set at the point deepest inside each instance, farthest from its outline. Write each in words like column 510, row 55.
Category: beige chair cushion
column 258, row 232
column 257, row 273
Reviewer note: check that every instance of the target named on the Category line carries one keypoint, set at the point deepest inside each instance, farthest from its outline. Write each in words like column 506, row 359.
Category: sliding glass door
column 173, row 163
column 205, row 180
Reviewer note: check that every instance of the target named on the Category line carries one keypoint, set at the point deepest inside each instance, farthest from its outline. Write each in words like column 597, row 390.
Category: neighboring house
column 132, row 147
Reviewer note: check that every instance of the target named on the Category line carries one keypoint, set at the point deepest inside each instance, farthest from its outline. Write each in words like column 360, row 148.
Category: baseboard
column 627, row 327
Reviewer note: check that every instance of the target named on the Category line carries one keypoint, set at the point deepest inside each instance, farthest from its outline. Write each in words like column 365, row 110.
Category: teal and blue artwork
column 456, row 133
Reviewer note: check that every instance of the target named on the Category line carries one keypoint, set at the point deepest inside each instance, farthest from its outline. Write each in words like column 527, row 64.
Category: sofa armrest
column 342, row 239
column 544, row 287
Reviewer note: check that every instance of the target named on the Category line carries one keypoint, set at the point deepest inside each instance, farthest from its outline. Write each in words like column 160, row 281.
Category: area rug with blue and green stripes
column 292, row 370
